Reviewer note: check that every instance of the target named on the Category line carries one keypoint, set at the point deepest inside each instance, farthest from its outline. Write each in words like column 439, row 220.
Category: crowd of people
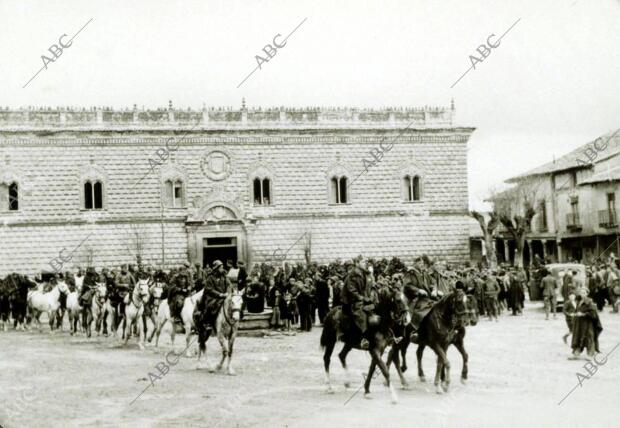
column 299, row 293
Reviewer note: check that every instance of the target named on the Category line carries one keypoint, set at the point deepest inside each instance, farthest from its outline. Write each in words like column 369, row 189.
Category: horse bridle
column 232, row 311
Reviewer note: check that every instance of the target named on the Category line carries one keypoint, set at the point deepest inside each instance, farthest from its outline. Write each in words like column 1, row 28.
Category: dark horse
column 438, row 330
column 390, row 311
column 15, row 291
column 457, row 341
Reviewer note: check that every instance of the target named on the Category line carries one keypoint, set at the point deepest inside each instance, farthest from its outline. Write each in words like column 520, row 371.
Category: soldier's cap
column 186, row 264
column 217, row 264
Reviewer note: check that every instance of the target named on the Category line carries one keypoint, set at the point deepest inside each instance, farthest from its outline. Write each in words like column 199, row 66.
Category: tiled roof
column 612, row 174
column 607, row 145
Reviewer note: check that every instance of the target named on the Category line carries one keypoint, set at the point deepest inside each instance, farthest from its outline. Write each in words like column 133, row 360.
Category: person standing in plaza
column 586, row 326
column 569, row 309
column 491, row 290
column 549, row 286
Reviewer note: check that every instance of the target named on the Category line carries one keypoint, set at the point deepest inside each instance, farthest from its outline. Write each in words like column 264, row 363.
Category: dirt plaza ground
column 518, row 373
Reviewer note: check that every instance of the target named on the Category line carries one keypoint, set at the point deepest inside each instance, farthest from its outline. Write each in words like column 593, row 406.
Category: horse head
column 142, row 290
column 101, row 289
column 456, row 308
column 393, row 304
column 63, row 287
column 235, row 304
column 157, row 289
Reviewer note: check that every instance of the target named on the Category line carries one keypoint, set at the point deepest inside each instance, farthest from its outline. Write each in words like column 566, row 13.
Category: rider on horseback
column 125, row 283
column 176, row 297
column 355, row 295
column 215, row 292
column 419, row 290
column 88, row 287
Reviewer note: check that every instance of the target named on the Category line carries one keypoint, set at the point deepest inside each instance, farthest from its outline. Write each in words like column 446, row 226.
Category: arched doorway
column 217, row 234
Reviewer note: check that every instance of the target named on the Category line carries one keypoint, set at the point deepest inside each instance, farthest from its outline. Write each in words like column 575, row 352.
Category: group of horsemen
column 177, row 285
column 423, row 286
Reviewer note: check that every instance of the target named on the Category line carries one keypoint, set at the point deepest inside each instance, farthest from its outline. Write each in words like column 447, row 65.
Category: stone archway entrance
column 216, row 232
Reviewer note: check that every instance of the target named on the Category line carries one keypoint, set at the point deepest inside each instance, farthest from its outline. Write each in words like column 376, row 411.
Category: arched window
column 174, row 194
column 411, row 188
column 9, row 196
column 338, row 191
column 262, row 191
column 13, row 197
column 93, row 195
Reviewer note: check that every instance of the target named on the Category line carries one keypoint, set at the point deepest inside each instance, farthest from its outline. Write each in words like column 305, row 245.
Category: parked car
column 558, row 270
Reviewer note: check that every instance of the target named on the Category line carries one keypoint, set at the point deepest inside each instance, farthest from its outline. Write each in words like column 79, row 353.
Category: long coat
column 217, row 283
column 586, row 328
column 353, row 293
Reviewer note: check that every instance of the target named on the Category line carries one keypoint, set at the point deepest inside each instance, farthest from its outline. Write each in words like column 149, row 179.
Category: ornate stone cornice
column 98, row 118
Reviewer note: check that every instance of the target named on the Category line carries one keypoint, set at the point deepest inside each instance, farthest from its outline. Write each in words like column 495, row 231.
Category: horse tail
column 329, row 333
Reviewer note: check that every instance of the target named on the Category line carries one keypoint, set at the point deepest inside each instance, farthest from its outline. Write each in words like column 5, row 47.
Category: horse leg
column 127, row 326
column 51, row 315
column 419, row 352
column 369, row 376
column 394, row 350
column 141, row 333
column 203, row 336
column 154, row 322
column 329, row 349
column 376, row 356
column 442, row 364
column 160, row 325
column 461, row 348
column 224, row 345
column 342, row 356
column 403, row 354
column 231, row 342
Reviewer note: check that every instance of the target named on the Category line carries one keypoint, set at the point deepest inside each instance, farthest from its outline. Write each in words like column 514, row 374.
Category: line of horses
column 443, row 326
column 23, row 302
column 22, row 299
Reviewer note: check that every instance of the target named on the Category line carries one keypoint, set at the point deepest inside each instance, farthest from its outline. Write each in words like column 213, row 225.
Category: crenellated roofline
column 223, row 118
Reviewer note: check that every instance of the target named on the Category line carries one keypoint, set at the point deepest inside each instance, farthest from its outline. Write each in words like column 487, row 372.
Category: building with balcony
column 574, row 199
column 100, row 186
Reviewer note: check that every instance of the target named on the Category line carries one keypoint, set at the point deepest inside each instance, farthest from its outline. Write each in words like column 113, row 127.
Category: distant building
column 100, row 186
column 574, row 198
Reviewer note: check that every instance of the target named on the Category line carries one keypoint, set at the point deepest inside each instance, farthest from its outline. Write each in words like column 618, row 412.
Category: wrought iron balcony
column 572, row 222
column 607, row 219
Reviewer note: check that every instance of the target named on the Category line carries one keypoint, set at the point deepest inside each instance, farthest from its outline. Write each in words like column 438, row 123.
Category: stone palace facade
column 100, row 186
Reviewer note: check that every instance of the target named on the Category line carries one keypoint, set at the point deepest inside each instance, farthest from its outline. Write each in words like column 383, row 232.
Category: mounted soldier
column 181, row 288
column 88, row 287
column 355, row 295
column 125, row 283
column 215, row 291
column 420, row 291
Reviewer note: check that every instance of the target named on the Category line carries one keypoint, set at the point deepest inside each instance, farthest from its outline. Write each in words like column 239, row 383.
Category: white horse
column 187, row 315
column 134, row 309
column 152, row 307
column 98, row 307
column 226, row 326
column 74, row 309
column 39, row 302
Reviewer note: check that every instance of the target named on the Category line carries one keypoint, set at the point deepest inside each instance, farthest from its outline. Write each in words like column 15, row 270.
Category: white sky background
column 552, row 85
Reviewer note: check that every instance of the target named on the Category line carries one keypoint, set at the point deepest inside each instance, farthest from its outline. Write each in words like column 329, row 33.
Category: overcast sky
column 551, row 85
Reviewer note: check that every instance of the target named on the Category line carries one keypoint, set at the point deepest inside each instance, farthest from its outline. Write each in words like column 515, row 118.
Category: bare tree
column 308, row 248
column 518, row 226
column 488, row 230
column 136, row 243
